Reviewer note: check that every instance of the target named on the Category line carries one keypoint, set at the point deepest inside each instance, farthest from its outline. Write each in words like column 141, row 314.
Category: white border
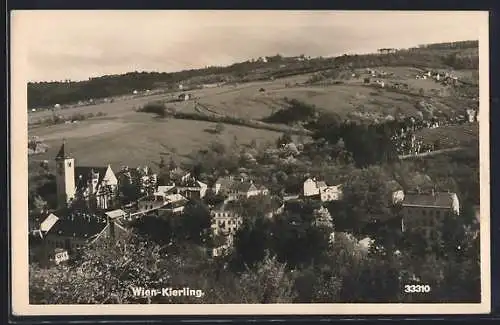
column 19, row 220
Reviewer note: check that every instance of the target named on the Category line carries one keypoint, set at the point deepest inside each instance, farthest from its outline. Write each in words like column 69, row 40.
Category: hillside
column 457, row 55
column 259, row 109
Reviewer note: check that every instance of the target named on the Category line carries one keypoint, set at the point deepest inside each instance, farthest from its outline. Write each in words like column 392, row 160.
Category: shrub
column 156, row 108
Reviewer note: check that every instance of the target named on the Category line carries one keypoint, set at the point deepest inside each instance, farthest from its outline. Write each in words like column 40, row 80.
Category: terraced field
column 466, row 135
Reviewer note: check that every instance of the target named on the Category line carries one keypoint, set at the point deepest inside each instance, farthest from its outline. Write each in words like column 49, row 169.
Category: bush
column 156, row 108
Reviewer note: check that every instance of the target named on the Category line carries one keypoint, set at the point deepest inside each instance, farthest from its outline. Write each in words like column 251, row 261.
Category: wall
column 310, row 188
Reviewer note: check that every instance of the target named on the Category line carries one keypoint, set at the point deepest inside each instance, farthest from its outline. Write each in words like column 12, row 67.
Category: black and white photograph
column 281, row 162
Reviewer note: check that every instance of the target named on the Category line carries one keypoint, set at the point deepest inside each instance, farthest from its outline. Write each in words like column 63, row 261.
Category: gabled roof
column 49, row 222
column 176, row 204
column 77, row 228
column 165, row 188
column 175, row 198
column 115, row 213
column 439, row 200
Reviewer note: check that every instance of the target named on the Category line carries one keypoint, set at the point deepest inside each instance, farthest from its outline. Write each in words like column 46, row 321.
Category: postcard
column 178, row 162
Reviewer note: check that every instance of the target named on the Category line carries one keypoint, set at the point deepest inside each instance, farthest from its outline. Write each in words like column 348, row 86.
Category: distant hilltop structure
column 386, row 51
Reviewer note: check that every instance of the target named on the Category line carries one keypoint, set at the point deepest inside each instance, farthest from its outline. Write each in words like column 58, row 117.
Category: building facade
column 424, row 212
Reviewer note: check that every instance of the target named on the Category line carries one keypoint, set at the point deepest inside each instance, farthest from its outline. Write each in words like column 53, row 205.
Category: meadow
column 139, row 140
column 466, row 135
column 127, row 137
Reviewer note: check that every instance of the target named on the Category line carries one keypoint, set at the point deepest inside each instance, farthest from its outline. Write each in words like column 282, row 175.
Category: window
column 69, row 163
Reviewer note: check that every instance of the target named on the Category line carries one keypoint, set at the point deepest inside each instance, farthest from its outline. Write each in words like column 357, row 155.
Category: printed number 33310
column 417, row 288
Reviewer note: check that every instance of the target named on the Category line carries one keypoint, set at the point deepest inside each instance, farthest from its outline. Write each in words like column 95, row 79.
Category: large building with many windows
column 425, row 211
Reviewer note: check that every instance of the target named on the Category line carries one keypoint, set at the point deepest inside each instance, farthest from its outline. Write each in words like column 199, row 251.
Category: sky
column 77, row 45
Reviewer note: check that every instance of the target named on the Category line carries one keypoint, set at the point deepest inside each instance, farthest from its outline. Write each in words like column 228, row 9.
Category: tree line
column 43, row 94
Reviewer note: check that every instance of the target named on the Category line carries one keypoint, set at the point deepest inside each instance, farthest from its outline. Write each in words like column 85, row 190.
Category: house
column 184, row 97
column 225, row 222
column 191, row 188
column 175, row 203
column 331, row 193
column 60, row 255
column 96, row 186
column 311, row 187
column 76, row 230
column 236, row 188
column 425, row 211
column 314, row 188
column 471, row 115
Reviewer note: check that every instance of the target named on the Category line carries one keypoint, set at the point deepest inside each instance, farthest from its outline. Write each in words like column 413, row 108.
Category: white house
column 331, row 193
column 238, row 188
column 60, row 255
column 312, row 187
column 225, row 223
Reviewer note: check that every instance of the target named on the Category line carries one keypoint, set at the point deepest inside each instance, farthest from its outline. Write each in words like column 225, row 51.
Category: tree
column 251, row 242
column 196, row 221
column 365, row 199
column 112, row 268
column 219, row 128
column 155, row 108
column 269, row 282
column 286, row 138
column 296, row 239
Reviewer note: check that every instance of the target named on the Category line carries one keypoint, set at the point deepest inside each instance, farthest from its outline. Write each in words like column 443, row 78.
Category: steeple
column 62, row 154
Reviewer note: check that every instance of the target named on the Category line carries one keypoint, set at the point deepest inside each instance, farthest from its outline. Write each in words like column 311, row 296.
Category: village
column 95, row 203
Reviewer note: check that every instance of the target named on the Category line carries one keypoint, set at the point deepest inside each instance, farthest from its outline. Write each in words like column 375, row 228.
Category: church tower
column 65, row 177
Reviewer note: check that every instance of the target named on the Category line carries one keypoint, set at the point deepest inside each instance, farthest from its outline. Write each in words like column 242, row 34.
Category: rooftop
column 79, row 227
column 115, row 213
column 62, row 153
column 437, row 199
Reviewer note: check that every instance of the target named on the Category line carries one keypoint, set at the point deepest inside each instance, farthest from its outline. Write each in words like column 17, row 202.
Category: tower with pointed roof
column 65, row 177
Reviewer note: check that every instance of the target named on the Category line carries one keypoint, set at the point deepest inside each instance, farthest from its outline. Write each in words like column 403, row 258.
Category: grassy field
column 126, row 137
column 452, row 136
column 139, row 140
